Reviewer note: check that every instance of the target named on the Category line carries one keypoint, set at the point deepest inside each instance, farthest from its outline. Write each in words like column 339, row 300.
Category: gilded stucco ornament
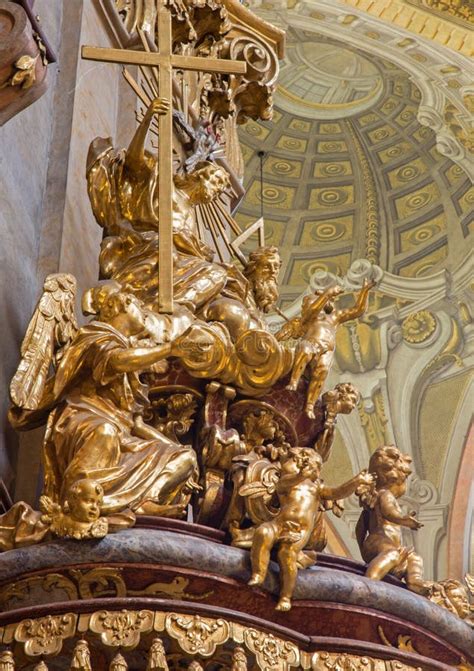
column 418, row 327
column 121, row 628
column 45, row 636
column 272, row 653
column 197, row 635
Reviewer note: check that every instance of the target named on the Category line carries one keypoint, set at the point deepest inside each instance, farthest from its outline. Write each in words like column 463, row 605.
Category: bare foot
column 284, row 604
column 256, row 579
column 291, row 386
column 310, row 412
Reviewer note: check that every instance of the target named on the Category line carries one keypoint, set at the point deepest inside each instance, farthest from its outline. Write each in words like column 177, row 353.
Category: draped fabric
column 90, row 434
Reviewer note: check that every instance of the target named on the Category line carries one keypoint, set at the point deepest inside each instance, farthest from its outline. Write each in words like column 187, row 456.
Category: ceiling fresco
column 369, row 156
column 349, row 171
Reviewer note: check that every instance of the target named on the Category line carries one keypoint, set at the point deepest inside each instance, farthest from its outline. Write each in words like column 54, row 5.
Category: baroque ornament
column 418, row 327
column 176, row 391
column 45, row 636
column 273, row 654
column 121, row 628
column 197, row 635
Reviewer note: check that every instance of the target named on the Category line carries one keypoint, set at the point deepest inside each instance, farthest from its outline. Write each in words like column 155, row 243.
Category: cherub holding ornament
column 300, row 492
column 316, row 330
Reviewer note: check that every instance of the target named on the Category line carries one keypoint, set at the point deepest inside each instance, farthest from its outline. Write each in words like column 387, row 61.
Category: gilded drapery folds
column 154, row 407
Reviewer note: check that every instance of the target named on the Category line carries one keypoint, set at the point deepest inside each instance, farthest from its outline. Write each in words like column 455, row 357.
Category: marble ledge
column 145, row 546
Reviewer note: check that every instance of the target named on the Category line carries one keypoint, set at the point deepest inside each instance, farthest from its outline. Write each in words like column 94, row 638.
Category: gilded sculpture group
column 105, row 462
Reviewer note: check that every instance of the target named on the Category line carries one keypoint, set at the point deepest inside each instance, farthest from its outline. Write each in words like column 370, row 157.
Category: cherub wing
column 292, row 329
column 52, row 327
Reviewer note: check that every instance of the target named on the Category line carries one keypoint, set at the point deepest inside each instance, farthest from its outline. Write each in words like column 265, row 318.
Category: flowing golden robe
column 125, row 204
column 90, row 433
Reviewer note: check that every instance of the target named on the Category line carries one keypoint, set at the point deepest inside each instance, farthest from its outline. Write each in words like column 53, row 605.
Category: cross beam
column 165, row 61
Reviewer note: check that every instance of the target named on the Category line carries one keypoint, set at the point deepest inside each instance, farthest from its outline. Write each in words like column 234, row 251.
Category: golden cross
column 165, row 61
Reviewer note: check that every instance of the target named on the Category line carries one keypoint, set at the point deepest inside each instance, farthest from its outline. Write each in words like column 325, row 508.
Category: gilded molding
column 45, row 636
column 372, row 236
column 194, row 636
column 417, row 20
column 272, row 654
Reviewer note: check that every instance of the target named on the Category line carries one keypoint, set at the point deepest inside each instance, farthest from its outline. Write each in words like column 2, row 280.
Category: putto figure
column 316, row 334
column 379, row 534
column 300, row 492
column 379, row 529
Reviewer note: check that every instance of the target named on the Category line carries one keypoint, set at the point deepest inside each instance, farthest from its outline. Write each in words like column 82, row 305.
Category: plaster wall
column 45, row 219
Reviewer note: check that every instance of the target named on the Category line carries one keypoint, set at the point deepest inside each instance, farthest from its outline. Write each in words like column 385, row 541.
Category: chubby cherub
column 316, row 334
column 379, row 529
column 79, row 516
column 300, row 492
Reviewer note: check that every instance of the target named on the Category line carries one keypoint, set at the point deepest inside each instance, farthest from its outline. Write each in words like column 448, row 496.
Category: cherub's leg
column 263, row 541
column 302, row 359
column 319, row 373
column 236, row 509
column 383, row 563
column 287, row 558
column 414, row 576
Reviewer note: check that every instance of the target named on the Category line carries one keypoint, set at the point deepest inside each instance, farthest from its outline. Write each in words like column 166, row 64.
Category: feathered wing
column 50, row 330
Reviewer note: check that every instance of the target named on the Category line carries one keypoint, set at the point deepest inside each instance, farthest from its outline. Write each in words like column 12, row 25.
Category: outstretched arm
column 360, row 306
column 391, row 512
column 138, row 358
column 346, row 489
column 318, row 304
column 135, row 156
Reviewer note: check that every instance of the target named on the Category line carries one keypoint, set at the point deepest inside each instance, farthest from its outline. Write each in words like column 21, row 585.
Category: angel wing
column 49, row 332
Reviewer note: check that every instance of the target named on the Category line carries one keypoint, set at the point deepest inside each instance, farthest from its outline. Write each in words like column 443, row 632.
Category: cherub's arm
column 318, row 304
column 135, row 156
column 360, row 306
column 391, row 512
column 347, row 488
column 289, row 330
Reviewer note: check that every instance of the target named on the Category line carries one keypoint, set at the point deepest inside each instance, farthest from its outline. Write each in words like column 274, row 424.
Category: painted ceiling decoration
column 368, row 162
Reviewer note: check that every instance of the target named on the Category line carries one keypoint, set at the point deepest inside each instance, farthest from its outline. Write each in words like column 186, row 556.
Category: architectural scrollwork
column 418, row 327
column 232, row 644
column 272, row 653
column 197, row 635
column 121, row 628
column 45, row 636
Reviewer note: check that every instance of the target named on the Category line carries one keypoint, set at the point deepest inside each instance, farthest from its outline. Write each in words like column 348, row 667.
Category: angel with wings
column 95, row 401
column 294, row 521
column 316, row 330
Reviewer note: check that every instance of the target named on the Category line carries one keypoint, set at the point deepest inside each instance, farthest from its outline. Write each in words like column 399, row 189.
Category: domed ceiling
column 368, row 157
column 349, row 172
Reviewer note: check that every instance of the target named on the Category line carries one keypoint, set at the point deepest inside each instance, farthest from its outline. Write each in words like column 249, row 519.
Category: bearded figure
column 247, row 295
column 262, row 272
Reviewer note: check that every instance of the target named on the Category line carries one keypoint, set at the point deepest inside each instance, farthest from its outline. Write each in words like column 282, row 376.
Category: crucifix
column 165, row 61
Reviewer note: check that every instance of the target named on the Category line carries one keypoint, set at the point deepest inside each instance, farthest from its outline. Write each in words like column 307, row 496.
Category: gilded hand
column 336, row 291
column 158, row 106
column 365, row 478
column 413, row 523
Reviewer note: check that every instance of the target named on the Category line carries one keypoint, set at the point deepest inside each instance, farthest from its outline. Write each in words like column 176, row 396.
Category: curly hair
column 257, row 257
column 389, row 464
